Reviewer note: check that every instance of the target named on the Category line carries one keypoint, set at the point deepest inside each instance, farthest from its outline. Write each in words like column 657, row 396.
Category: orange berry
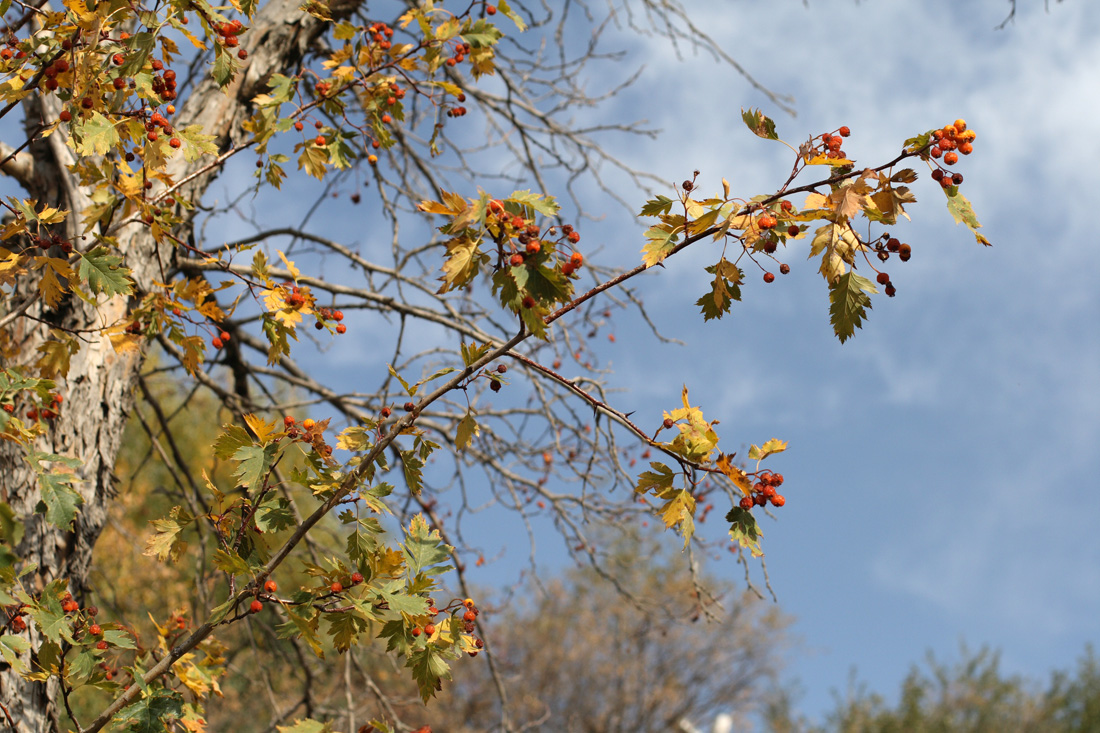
column 386, row 119
column 256, row 606
column 516, row 260
column 429, row 629
column 216, row 342
column 960, row 125
column 341, row 328
column 175, row 143
column 576, row 259
column 336, row 586
column 319, row 141
column 935, row 152
column 966, row 148
column 308, row 424
column 844, row 131
column 490, row 9
column 951, row 158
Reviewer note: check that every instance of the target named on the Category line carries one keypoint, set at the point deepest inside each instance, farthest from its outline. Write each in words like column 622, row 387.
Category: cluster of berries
column 228, row 33
column 46, row 413
column 763, row 491
column 164, row 84
column 496, row 384
column 461, row 51
column 947, row 143
column 220, row 340
column 830, row 144
column 381, row 34
column 330, row 314
column 59, row 66
column 884, row 247
column 156, row 122
column 305, row 431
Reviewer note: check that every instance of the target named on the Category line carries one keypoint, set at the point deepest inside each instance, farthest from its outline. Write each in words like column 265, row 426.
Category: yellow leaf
column 814, row 200
column 740, row 479
column 294, row 273
column 260, row 427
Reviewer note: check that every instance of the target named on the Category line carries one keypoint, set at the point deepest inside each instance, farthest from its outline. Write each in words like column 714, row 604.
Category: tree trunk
column 98, row 389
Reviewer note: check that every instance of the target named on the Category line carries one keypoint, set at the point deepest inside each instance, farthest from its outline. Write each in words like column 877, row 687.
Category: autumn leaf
column 849, row 303
column 759, row 123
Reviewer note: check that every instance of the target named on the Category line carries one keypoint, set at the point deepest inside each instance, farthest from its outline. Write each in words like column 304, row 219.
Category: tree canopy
column 135, row 283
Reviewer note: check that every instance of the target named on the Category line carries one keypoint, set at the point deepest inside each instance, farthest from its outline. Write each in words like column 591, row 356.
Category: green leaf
column 658, row 206
column 546, row 205
column 963, row 213
column 95, row 135
column 424, row 547
column 232, row 439
column 429, row 670
column 254, row 463
column 225, row 65
column 849, row 304
column 413, row 467
column 759, row 123
column 482, row 34
column 405, row 603
column 104, row 272
column 660, row 478
column 744, row 530
column 504, row 8
column 12, row 648
column 231, row 564
column 152, row 713
column 679, row 511
column 60, row 499
column 661, row 240
column 345, row 629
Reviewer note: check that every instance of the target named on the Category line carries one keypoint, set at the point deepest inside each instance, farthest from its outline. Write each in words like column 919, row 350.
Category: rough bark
column 99, row 387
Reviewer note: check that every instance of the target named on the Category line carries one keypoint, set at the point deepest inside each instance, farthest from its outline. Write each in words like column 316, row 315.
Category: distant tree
column 970, row 696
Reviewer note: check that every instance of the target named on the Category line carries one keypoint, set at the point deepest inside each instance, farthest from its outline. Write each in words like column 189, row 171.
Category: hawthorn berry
column 951, row 158
column 308, row 424
column 416, row 631
column 409, row 406
column 904, row 251
column 356, row 578
column 883, row 278
column 769, row 277
column 319, row 141
column 231, row 41
column 891, row 291
column 957, row 179
column 101, row 645
column 372, row 159
column 502, row 368
column 766, row 221
column 668, row 423
column 784, row 268
column 429, row 629
column 533, row 248
column 745, row 503
column 844, row 131
column 118, row 59
column 65, row 115
column 87, row 103
column 495, row 386
column 341, row 328
column 937, row 175
column 386, row 119
column 336, row 586
column 216, row 342
column 95, row 630
column 576, row 259
column 256, row 606
column 288, row 421
column 573, row 237
column 271, row 586
column 490, row 9
column 528, row 301
column 385, row 412
column 966, row 148
column 516, row 260
column 778, row 500
column 793, row 230
column 242, row 54
column 299, row 126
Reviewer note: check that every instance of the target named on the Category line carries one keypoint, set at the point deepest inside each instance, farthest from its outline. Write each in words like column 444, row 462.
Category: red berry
column 87, row 103
column 231, row 41
column 502, row 368
column 175, row 142
column 882, row 278
column 385, row 412
column 242, row 54
column 101, row 646
column 786, row 206
column 951, row 158
column 769, row 277
column 65, row 115
column 118, row 59
column 793, row 230
column 668, row 423
column 429, row 629
column 356, row 578
column 573, row 237
column 341, row 328
column 469, row 616
column 410, row 406
column 118, row 83
column 216, row 342
column 386, row 119
column 957, row 179
column 336, row 586
column 319, row 141
column 778, row 500
column 745, row 503
column 576, row 259
column 935, row 152
column 256, row 606
column 516, row 260
column 95, row 630
column 416, row 631
column 766, row 221
column 490, row 9
column 844, row 131
column 784, row 268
